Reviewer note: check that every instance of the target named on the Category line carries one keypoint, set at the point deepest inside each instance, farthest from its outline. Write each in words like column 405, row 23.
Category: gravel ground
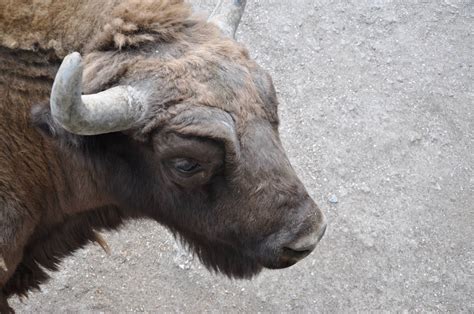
column 377, row 118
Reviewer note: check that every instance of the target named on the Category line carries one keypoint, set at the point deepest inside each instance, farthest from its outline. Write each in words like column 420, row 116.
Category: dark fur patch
column 49, row 245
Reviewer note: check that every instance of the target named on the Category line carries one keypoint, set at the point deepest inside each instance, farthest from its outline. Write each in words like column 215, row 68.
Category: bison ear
column 42, row 120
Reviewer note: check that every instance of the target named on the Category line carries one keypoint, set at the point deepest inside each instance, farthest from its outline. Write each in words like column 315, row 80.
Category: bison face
column 210, row 166
column 191, row 139
column 230, row 192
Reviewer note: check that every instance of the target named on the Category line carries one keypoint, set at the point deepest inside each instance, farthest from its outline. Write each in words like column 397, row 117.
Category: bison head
column 186, row 132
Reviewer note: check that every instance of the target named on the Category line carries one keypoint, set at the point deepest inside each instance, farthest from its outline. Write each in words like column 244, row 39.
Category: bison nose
column 295, row 241
column 308, row 242
column 303, row 246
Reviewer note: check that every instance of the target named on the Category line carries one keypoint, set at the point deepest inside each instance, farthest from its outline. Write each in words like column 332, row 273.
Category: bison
column 164, row 117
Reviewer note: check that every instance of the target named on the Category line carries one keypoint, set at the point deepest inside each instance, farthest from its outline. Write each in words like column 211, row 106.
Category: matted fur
column 67, row 26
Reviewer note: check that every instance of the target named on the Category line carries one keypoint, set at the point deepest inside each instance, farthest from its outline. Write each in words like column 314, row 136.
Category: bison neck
column 49, row 203
column 50, row 182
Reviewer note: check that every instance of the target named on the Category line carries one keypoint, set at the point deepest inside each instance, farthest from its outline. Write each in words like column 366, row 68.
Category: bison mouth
column 223, row 258
column 239, row 262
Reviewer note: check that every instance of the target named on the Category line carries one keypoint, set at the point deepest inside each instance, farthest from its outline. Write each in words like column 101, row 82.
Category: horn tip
column 73, row 59
column 99, row 239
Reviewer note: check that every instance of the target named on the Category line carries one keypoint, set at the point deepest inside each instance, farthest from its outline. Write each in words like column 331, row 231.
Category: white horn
column 227, row 15
column 101, row 241
column 112, row 110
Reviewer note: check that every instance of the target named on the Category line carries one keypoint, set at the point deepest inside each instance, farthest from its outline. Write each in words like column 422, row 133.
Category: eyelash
column 186, row 166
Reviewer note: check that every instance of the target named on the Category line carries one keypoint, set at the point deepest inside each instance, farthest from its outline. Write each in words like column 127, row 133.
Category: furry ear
column 42, row 120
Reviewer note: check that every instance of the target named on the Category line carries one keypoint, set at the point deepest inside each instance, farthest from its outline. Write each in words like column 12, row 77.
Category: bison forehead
column 212, row 82
column 199, row 67
column 234, row 88
column 231, row 82
column 238, row 86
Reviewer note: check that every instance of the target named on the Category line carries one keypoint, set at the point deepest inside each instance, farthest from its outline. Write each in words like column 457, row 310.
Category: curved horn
column 112, row 110
column 227, row 15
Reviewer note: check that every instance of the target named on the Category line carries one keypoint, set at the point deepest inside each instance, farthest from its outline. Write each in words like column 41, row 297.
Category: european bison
column 166, row 117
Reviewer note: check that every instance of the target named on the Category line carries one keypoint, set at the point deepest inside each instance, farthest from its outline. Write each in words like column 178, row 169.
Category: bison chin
column 221, row 258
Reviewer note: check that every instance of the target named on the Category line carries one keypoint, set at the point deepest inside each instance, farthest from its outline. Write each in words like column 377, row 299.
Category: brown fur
column 55, row 187
column 66, row 26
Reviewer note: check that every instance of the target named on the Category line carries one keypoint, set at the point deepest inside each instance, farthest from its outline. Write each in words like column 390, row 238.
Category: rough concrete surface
column 377, row 118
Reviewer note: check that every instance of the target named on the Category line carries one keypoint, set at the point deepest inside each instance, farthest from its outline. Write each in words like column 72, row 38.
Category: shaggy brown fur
column 66, row 26
column 56, row 187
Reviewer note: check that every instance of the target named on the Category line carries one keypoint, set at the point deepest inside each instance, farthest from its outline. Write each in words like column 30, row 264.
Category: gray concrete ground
column 377, row 117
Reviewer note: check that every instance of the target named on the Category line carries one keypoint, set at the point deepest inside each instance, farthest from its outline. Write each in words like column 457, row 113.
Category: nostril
column 301, row 245
column 301, row 248
column 308, row 242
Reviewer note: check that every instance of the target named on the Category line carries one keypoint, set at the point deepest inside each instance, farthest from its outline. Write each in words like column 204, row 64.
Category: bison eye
column 186, row 166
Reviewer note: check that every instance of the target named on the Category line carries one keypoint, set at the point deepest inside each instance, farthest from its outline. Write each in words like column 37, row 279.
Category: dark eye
column 186, row 166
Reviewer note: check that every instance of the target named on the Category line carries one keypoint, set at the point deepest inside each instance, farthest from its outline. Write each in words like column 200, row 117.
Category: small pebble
column 365, row 188
column 368, row 241
column 333, row 199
